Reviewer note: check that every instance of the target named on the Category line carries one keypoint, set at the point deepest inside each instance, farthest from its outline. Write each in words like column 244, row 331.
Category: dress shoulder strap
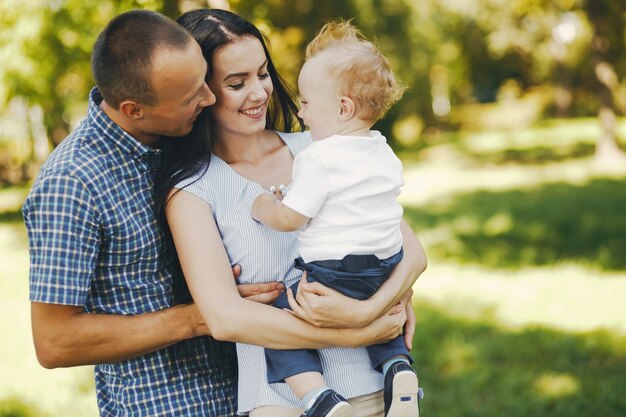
column 296, row 141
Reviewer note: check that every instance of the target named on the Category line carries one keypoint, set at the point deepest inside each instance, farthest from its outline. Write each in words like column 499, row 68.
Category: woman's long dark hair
column 189, row 155
column 186, row 156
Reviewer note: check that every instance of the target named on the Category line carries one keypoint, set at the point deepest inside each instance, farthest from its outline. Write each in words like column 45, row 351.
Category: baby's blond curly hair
column 362, row 72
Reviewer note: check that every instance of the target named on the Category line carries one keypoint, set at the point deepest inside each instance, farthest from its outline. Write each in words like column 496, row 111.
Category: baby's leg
column 306, row 382
column 318, row 399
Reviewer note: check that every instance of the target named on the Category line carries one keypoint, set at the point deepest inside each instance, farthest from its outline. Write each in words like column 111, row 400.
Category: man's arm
column 67, row 336
column 64, row 239
column 270, row 211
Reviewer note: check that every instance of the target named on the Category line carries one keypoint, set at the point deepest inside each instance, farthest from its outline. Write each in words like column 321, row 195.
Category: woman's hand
column 265, row 293
column 325, row 307
column 385, row 328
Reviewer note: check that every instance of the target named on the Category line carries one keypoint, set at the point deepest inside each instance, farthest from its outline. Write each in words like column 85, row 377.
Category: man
column 101, row 282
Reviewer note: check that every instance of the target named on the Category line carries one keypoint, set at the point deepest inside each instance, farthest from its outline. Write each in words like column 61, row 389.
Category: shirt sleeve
column 64, row 240
column 311, row 185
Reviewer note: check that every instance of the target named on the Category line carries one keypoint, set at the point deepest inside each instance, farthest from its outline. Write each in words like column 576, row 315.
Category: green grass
column 520, row 312
column 535, row 226
column 547, row 142
column 479, row 368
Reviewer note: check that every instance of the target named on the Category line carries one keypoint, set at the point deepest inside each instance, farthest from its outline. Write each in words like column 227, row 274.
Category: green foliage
column 50, row 45
column 448, row 53
column 390, row 23
column 45, row 48
column 477, row 368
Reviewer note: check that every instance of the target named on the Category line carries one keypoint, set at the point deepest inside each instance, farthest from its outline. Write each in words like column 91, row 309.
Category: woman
column 234, row 154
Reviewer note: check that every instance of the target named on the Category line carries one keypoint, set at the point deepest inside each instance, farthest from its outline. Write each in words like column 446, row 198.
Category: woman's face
column 242, row 87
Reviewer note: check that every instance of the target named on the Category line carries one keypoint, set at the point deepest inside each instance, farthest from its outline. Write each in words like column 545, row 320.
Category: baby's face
column 319, row 101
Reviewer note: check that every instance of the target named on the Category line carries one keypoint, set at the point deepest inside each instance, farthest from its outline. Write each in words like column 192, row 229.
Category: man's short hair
column 122, row 55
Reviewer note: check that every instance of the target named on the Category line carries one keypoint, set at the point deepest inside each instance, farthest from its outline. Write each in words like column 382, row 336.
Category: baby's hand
column 277, row 191
column 259, row 203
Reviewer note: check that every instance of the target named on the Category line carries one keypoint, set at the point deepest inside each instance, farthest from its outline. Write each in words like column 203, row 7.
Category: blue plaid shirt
column 95, row 242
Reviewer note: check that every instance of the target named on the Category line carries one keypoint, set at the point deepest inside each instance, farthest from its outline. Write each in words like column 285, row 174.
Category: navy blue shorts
column 356, row 276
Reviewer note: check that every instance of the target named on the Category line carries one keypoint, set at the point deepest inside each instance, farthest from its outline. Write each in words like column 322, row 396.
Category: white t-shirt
column 348, row 186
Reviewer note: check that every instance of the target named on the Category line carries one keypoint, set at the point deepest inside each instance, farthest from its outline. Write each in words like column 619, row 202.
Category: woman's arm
column 325, row 307
column 228, row 316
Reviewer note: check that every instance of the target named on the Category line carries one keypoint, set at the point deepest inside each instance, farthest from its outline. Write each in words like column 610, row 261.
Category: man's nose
column 208, row 98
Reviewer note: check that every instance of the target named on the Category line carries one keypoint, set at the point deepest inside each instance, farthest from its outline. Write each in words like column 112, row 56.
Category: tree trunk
column 39, row 145
column 608, row 154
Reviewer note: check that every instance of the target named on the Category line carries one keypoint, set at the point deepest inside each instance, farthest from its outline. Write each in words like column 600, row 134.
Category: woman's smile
column 254, row 112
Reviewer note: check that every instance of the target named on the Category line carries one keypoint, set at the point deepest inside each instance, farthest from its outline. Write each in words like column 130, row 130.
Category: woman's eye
column 238, row 86
column 264, row 76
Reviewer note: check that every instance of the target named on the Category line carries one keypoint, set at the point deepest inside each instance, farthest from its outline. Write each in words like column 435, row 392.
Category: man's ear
column 347, row 108
column 131, row 109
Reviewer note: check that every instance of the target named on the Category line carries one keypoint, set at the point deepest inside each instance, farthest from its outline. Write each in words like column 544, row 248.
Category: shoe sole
column 404, row 402
column 342, row 409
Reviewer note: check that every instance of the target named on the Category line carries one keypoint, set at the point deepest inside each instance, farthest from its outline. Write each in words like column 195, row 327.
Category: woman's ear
column 347, row 108
column 131, row 109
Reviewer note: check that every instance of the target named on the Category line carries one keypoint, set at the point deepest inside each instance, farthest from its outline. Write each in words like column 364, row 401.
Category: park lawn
column 479, row 366
column 519, row 313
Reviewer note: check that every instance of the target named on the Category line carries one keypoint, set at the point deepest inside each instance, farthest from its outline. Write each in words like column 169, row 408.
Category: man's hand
column 265, row 293
column 197, row 322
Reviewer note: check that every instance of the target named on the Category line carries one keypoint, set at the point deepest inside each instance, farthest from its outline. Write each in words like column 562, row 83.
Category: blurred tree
column 52, row 69
column 577, row 46
column 447, row 52
column 608, row 19
column 45, row 48
column 390, row 23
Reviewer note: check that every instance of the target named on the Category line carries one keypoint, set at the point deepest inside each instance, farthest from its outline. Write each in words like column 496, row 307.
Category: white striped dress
column 267, row 255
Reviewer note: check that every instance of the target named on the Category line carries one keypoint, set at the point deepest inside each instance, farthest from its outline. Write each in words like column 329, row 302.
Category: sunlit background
column 512, row 134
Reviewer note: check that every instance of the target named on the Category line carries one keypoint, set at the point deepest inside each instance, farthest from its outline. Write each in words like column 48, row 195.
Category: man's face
column 178, row 82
